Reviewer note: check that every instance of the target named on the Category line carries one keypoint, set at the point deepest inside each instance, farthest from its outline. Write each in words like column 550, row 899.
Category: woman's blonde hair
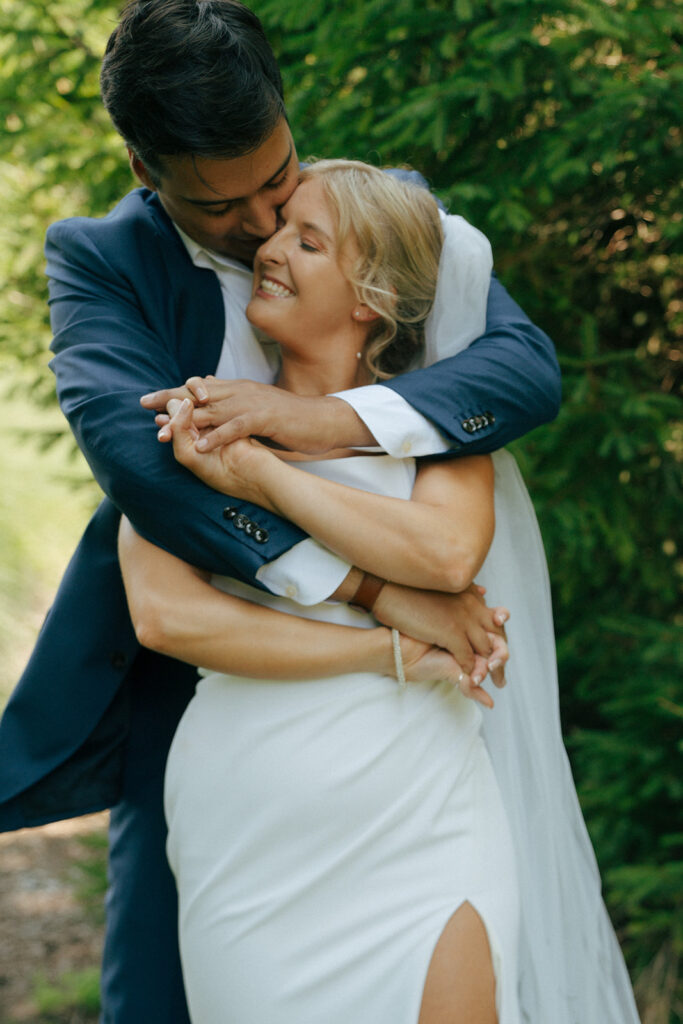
column 398, row 232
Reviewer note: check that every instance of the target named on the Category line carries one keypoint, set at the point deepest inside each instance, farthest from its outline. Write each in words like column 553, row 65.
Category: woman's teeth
column 271, row 288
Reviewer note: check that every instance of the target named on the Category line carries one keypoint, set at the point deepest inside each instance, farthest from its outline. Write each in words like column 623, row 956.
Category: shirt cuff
column 308, row 573
column 398, row 428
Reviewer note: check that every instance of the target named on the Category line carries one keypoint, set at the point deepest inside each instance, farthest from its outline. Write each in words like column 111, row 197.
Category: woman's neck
column 328, row 369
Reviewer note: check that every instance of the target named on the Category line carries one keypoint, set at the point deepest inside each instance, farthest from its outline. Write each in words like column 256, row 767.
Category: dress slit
column 494, row 952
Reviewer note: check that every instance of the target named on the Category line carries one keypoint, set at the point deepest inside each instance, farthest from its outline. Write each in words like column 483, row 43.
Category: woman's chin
column 254, row 313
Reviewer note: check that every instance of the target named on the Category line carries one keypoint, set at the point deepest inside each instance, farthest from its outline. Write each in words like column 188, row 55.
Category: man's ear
column 140, row 171
column 364, row 314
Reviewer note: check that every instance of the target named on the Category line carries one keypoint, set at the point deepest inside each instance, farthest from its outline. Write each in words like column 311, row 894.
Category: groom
column 144, row 298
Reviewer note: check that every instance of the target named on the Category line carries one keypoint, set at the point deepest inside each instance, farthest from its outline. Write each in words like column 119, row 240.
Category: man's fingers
column 225, row 434
column 160, row 399
column 197, row 388
column 480, row 639
column 500, row 616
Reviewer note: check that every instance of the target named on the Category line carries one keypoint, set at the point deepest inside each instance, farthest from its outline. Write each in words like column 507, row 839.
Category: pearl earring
column 359, row 355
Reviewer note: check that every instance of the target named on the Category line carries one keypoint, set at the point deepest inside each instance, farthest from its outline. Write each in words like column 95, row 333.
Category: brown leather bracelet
column 367, row 592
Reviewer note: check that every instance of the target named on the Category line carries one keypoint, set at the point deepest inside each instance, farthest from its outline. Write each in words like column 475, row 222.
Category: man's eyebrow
column 237, row 199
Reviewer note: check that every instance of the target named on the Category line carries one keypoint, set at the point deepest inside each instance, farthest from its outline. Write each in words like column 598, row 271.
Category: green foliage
column 73, row 991
column 58, row 155
column 554, row 127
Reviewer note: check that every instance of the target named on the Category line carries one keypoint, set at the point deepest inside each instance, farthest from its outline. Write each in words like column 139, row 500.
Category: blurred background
column 554, row 127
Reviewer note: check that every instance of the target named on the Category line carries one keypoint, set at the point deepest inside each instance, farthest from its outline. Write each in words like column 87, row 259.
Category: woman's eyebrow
column 310, row 226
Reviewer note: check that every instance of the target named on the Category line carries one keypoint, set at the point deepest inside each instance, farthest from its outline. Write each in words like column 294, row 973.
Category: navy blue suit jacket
column 131, row 314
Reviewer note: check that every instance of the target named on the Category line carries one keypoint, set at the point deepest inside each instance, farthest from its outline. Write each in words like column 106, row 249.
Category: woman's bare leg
column 460, row 983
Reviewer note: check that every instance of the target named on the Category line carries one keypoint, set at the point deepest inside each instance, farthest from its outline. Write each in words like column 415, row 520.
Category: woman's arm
column 438, row 540
column 176, row 611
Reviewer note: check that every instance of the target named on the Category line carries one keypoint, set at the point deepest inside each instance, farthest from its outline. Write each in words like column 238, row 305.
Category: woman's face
column 301, row 294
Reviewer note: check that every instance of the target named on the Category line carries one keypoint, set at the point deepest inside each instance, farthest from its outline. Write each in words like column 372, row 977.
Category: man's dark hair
column 191, row 77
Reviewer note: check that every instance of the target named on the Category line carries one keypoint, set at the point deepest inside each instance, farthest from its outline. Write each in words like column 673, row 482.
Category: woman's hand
column 229, row 409
column 462, row 624
column 233, row 469
column 424, row 662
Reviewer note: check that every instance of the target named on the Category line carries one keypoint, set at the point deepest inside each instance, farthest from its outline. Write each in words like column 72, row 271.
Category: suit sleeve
column 108, row 351
column 506, row 383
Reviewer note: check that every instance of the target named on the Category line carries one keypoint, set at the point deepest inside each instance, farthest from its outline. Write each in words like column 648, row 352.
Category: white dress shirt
column 308, row 573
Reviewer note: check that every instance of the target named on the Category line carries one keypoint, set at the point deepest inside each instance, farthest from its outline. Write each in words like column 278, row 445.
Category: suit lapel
column 197, row 302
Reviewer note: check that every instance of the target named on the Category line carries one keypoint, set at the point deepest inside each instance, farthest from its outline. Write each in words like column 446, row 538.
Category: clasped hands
column 212, row 425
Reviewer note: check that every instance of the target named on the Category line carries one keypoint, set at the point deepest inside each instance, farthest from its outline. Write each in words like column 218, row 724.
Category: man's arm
column 504, row 384
column 117, row 327
column 500, row 387
column 177, row 612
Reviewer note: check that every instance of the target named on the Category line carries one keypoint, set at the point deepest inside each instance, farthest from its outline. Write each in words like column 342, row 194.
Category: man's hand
column 460, row 623
column 229, row 409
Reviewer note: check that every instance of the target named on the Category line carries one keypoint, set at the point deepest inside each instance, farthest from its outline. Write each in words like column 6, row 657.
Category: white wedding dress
column 322, row 833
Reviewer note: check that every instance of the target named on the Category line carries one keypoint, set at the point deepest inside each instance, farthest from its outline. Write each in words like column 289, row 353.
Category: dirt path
column 48, row 927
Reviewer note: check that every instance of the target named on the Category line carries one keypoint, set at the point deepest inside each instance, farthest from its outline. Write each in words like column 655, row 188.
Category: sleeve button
column 229, row 513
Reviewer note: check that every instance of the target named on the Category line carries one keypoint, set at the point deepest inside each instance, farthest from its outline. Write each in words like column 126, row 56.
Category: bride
column 352, row 838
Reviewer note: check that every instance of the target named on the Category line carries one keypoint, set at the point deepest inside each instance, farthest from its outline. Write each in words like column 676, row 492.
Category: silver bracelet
column 398, row 658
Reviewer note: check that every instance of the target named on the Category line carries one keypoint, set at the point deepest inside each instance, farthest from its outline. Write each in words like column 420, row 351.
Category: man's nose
column 260, row 217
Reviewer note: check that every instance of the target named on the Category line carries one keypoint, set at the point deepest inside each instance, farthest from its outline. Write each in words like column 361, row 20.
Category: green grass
column 91, row 871
column 74, row 990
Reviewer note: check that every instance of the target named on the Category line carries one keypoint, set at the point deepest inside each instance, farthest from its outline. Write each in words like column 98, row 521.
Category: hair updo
column 398, row 231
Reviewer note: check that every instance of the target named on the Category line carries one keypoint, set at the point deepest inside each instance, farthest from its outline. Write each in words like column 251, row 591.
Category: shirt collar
column 203, row 257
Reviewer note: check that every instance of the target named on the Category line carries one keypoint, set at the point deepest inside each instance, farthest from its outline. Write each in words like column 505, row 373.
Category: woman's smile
column 270, row 286
column 301, row 262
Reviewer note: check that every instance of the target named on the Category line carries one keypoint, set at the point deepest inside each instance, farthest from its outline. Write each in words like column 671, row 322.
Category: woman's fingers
column 498, row 658
column 423, row 663
column 180, row 428
column 475, row 692
column 174, row 406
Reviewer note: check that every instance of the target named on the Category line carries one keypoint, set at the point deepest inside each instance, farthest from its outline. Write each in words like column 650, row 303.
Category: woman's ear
column 364, row 314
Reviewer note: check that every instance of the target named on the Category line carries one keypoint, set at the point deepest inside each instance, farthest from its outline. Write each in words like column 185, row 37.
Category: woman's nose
column 271, row 251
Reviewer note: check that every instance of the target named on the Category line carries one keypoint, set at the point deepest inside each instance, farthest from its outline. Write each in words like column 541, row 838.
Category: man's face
column 229, row 206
